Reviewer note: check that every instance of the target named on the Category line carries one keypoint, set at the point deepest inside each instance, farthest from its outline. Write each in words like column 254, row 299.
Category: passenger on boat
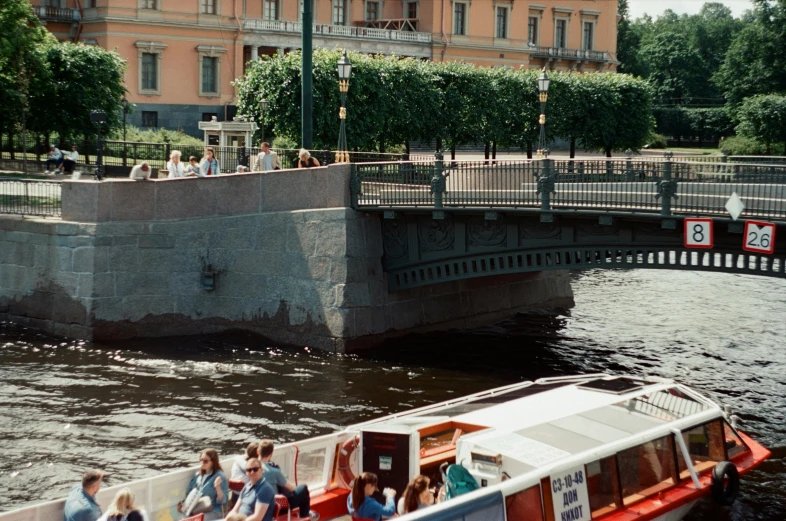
column 298, row 497
column 236, row 517
column 257, row 499
column 239, row 463
column 417, row 495
column 211, row 485
column 81, row 502
column 361, row 504
column 123, row 509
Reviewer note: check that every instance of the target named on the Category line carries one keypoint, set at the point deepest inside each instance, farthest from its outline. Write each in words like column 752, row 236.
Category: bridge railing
column 649, row 186
column 28, row 197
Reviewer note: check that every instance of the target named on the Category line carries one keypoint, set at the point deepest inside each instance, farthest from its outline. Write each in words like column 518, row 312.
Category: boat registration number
column 569, row 495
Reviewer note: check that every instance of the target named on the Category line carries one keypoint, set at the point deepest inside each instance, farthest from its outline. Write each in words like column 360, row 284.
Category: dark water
column 145, row 407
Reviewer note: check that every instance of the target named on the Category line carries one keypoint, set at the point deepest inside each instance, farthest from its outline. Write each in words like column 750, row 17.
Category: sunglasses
column 204, row 460
column 252, row 470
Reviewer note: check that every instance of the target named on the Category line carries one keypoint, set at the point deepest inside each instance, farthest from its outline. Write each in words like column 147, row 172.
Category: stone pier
column 288, row 257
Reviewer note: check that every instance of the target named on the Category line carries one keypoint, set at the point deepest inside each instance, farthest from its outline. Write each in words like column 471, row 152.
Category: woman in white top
column 175, row 166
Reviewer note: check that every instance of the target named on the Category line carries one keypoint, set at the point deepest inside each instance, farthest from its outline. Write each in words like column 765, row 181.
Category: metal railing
column 28, row 197
column 56, row 14
column 627, row 186
column 573, row 54
column 346, row 31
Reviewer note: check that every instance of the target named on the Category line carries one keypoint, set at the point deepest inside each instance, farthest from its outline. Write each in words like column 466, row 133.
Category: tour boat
column 611, row 448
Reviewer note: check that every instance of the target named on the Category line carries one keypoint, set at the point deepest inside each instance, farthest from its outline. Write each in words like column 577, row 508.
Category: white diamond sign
column 735, row 206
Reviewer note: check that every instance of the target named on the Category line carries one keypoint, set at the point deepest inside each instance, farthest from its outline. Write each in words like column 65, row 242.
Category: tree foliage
column 685, row 122
column 763, row 118
column 53, row 86
column 393, row 101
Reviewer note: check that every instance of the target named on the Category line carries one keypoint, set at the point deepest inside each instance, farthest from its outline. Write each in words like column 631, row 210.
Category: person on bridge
column 70, row 160
column 54, row 156
column 361, row 504
column 306, row 161
column 267, row 160
column 257, row 500
column 81, row 502
column 209, row 165
column 298, row 497
column 140, row 172
column 175, row 166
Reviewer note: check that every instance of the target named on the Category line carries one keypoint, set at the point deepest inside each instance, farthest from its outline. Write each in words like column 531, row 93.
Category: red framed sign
column 759, row 237
column 698, row 233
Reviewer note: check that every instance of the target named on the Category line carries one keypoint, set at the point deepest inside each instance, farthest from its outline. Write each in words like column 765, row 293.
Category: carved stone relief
column 436, row 235
column 481, row 232
column 395, row 238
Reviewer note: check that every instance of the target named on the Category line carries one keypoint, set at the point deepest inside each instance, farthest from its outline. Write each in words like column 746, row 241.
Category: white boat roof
column 539, row 423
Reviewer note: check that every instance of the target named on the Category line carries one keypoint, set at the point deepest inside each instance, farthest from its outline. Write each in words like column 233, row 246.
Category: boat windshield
column 667, row 405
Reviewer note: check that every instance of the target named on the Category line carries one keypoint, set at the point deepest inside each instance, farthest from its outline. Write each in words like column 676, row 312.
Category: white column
column 254, row 53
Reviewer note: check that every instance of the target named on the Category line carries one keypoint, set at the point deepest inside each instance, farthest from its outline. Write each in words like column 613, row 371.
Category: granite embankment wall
column 292, row 261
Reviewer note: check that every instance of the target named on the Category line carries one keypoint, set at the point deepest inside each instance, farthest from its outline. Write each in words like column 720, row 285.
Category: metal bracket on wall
column 491, row 216
column 439, row 215
column 547, row 218
column 605, row 220
column 736, row 227
column 668, row 224
column 391, row 214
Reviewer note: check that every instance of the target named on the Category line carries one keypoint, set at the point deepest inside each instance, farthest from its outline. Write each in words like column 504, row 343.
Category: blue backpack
column 457, row 480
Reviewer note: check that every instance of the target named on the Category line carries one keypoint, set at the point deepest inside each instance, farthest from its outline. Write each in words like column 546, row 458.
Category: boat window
column 311, row 467
column 705, row 445
column 603, row 486
column 734, row 444
column 667, row 406
column 646, row 469
column 525, row 505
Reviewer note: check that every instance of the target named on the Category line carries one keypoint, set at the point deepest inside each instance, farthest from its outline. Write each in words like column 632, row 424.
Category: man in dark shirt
column 257, row 500
column 298, row 497
column 81, row 502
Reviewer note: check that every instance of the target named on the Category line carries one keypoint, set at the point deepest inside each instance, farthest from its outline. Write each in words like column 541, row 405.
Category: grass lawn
column 696, row 151
column 20, row 175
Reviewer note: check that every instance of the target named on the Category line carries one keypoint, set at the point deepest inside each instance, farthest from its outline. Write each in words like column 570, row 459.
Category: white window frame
column 380, row 7
column 216, row 7
column 300, row 11
column 594, row 24
column 538, row 19
column 466, row 17
column 566, row 19
column 156, row 48
column 405, row 8
column 265, row 10
column 143, row 4
column 507, row 9
column 210, row 51
column 343, row 10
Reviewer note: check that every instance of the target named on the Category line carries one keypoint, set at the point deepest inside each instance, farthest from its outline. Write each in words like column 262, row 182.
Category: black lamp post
column 98, row 117
column 124, row 101
column 263, row 104
column 543, row 87
column 344, row 71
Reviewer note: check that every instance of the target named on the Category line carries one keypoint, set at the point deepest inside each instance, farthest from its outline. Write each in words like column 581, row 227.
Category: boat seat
column 282, row 503
column 198, row 517
column 361, row 519
column 236, row 485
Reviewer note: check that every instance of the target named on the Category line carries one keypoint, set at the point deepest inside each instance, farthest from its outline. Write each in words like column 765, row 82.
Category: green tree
column 763, row 118
column 628, row 43
column 676, row 70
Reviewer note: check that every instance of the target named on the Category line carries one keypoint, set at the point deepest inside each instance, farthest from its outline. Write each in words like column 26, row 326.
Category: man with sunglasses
column 257, row 500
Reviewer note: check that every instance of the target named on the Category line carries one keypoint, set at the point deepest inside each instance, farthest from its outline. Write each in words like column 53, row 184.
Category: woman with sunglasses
column 211, row 485
column 361, row 504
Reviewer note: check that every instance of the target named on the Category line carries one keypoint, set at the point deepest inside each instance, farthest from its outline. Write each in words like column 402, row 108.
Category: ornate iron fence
column 629, row 186
column 28, row 197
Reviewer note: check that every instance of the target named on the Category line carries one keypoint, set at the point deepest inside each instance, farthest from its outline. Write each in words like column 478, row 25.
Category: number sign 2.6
column 759, row 237
column 698, row 233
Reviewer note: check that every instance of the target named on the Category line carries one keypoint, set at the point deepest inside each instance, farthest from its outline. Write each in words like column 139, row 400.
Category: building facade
column 183, row 54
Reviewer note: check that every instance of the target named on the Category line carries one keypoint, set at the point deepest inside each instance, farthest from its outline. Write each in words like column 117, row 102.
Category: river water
column 145, row 407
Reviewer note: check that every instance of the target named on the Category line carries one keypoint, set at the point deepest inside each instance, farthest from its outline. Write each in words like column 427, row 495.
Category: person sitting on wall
column 70, row 160
column 193, row 167
column 241, row 169
column 298, row 497
column 81, row 502
column 54, row 156
column 361, row 504
column 209, row 164
column 140, row 172
column 239, row 464
column 257, row 499
column 267, row 159
column 306, row 161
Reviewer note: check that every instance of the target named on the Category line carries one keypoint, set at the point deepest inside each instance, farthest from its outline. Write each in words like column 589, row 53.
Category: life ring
column 344, row 463
column 725, row 483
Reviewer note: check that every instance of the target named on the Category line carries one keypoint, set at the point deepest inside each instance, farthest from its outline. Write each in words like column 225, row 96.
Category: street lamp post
column 344, row 71
column 263, row 104
column 543, row 87
column 98, row 117
column 124, row 101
